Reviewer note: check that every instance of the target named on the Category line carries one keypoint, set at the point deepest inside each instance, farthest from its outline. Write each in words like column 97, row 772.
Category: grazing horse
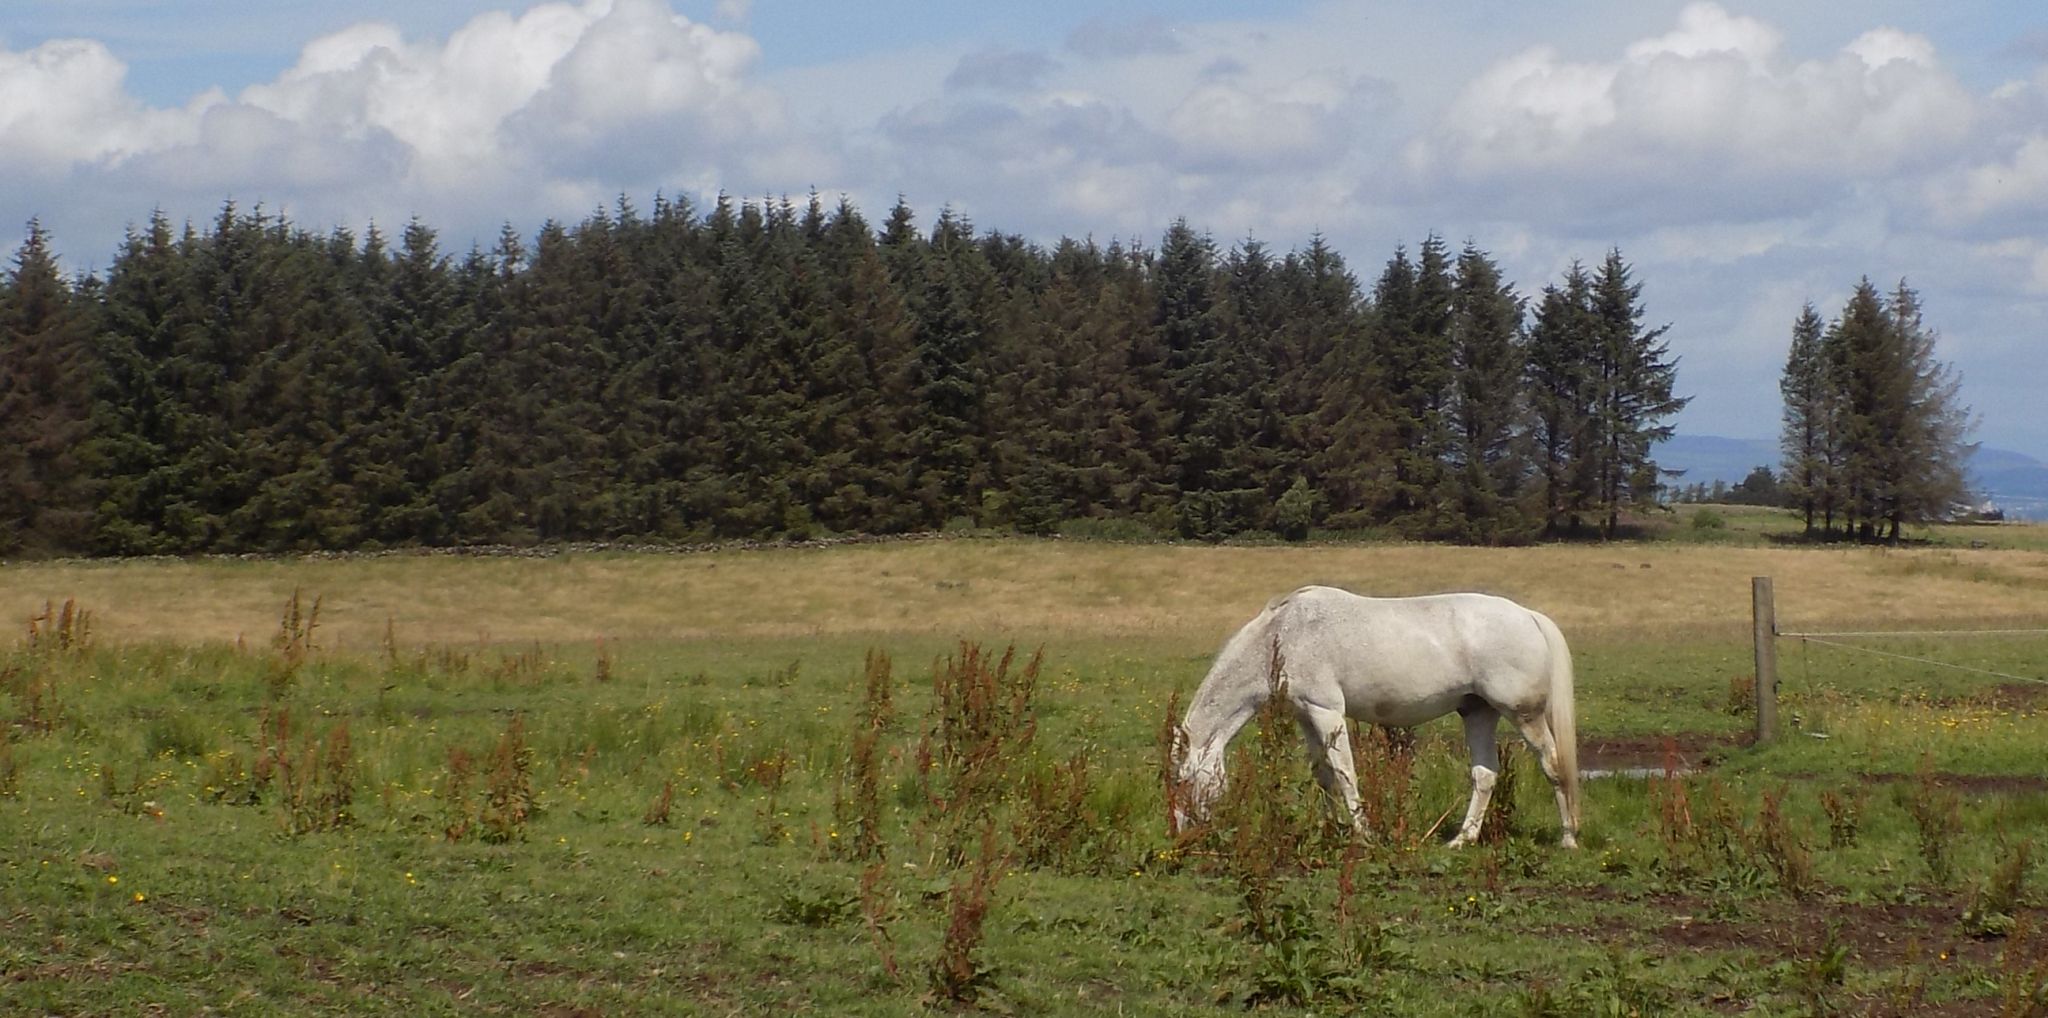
column 1395, row 661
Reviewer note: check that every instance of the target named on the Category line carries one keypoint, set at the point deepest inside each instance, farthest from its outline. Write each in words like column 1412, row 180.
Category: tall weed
column 957, row 975
column 1937, row 819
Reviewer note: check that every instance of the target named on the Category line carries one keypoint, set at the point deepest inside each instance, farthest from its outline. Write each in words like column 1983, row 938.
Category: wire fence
column 1835, row 640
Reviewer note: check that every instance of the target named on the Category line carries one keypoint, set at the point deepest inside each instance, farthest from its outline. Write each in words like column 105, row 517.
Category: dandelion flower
column 112, row 879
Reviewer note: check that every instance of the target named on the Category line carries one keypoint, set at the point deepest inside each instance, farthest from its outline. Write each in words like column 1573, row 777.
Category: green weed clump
column 10, row 768
column 1996, row 902
column 1384, row 759
column 956, row 974
column 500, row 811
column 292, row 643
column 1845, row 815
column 34, row 692
column 1937, row 815
column 1781, row 849
column 857, row 798
column 977, row 738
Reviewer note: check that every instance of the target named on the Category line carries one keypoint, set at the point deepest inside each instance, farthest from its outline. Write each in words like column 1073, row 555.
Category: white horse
column 1392, row 661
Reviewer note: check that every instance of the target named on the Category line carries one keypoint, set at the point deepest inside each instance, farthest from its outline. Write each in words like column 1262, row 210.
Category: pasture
column 809, row 779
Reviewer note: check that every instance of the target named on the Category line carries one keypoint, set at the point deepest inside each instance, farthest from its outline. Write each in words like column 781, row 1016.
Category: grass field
column 648, row 783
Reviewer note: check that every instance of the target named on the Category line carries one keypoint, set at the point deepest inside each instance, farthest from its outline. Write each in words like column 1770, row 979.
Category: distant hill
column 2015, row 482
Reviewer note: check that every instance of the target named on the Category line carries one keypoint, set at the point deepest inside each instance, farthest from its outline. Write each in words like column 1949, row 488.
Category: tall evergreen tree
column 137, row 412
column 1488, row 409
column 1636, row 379
column 950, row 378
column 1871, row 366
column 1412, row 343
column 1807, row 440
column 1902, row 427
column 1937, row 449
column 46, row 374
column 1562, row 393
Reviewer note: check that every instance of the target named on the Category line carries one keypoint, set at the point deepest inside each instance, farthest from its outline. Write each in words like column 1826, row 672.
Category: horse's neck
column 1213, row 720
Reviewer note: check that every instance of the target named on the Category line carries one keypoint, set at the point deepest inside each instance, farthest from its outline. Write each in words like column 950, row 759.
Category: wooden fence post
column 1764, row 614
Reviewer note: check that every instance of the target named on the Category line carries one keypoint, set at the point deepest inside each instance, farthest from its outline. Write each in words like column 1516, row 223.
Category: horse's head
column 1197, row 782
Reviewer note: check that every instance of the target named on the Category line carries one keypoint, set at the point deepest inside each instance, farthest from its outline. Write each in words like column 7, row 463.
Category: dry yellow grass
column 1018, row 588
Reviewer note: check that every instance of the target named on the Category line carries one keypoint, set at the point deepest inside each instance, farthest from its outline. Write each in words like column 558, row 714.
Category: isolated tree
column 1895, row 446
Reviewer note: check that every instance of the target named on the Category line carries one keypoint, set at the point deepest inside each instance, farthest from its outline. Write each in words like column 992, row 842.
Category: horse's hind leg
column 1536, row 732
column 1329, row 752
column 1480, row 721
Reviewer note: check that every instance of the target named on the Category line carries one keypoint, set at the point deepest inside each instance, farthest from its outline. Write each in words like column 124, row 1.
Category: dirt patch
column 1683, row 751
column 2015, row 695
column 1876, row 936
column 2005, row 784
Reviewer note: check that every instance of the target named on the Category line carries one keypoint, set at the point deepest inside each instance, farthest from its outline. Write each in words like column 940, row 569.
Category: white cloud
column 1709, row 114
column 616, row 95
column 1226, row 124
column 65, row 103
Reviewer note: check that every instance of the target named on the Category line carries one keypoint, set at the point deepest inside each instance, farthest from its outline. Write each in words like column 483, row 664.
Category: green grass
column 143, row 871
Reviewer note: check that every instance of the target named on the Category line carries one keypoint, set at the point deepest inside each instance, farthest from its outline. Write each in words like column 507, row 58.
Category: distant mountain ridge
column 2014, row 481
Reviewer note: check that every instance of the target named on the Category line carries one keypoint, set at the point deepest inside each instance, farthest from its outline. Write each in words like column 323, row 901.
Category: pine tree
column 950, row 380
column 1807, row 440
column 1871, row 367
column 1488, row 408
column 1902, row 427
column 1562, row 395
column 1936, row 437
column 46, row 373
column 1636, row 376
column 1411, row 340
column 137, row 412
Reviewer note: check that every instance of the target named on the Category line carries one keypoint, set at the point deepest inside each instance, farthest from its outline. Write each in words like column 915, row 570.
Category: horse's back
column 1403, row 660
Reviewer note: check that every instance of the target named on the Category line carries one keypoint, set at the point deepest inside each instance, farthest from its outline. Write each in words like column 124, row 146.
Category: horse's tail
column 1561, row 714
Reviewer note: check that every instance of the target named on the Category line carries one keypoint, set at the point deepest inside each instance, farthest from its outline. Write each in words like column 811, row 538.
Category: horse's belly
column 1403, row 713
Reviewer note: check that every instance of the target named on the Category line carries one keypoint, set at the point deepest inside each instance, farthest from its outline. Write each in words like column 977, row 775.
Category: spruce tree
column 1807, row 439
column 46, row 374
column 1636, row 376
column 1562, row 388
column 1937, row 448
column 1488, row 408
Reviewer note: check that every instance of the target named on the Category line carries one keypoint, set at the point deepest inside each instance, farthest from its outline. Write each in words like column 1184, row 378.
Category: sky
column 1746, row 159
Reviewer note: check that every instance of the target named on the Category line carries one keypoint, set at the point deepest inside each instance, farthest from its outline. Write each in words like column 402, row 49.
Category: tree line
column 782, row 369
column 1875, row 433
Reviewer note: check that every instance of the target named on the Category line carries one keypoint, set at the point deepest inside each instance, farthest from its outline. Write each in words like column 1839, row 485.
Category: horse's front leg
column 1329, row 752
column 1481, row 721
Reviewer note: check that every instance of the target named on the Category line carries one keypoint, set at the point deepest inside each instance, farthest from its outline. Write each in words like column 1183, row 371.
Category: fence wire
column 1821, row 638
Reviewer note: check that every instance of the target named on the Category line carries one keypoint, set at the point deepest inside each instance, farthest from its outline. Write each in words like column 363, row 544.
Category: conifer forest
column 784, row 370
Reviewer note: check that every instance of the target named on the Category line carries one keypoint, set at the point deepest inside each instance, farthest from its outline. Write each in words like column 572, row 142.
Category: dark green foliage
column 45, row 402
column 781, row 370
column 1874, row 430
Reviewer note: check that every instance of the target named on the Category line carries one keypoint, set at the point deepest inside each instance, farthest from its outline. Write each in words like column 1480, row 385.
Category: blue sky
column 1746, row 158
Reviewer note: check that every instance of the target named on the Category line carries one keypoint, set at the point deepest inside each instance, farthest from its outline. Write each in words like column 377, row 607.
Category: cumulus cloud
column 66, row 103
column 1710, row 108
column 368, row 122
column 1224, row 124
